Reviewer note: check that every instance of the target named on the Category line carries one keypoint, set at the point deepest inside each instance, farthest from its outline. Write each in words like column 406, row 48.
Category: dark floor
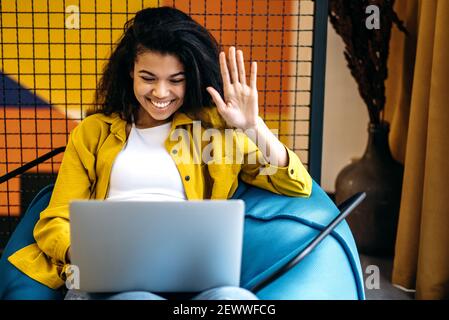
column 382, row 290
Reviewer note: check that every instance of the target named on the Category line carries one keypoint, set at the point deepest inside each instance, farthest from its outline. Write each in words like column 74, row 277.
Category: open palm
column 239, row 106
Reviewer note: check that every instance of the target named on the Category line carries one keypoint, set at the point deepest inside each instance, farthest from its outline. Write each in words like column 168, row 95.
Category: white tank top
column 144, row 170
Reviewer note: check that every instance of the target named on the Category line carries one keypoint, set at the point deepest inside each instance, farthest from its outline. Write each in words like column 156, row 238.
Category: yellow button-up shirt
column 85, row 173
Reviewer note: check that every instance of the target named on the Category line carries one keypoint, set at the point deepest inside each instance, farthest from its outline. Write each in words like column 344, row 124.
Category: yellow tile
column 116, row 34
column 42, row 82
column 73, row 66
column 73, row 97
column 87, row 65
column 56, row 6
column 57, row 81
column 88, row 51
column 87, row 6
column 87, row 35
column 72, row 7
column 9, row 35
column 118, row 6
column 9, row 53
column 72, row 51
column 73, row 80
column 25, row 65
column 57, row 20
column 26, row 35
column 134, row 6
column 104, row 36
column 41, row 20
column 57, row 51
column 25, row 20
column 103, row 51
column 88, row 80
column 40, row 5
column 25, row 51
column 88, row 96
column 118, row 20
column 286, row 127
column 287, row 140
column 87, row 20
column 57, row 96
column 57, row 66
column 104, row 20
column 9, row 6
column 72, row 35
column 26, row 80
column 272, row 124
column 9, row 19
column 40, row 35
column 10, row 67
column 57, row 36
column 101, row 64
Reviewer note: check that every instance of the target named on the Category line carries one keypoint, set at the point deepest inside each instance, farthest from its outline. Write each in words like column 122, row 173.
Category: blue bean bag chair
column 276, row 229
column 14, row 284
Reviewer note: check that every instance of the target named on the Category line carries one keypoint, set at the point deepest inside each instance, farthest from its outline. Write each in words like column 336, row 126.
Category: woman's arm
column 52, row 231
column 291, row 179
column 273, row 150
column 280, row 169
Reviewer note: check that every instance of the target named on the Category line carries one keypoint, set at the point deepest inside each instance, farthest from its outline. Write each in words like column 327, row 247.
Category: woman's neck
column 144, row 120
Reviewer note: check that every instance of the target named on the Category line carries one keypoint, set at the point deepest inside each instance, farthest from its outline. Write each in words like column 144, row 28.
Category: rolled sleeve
column 293, row 177
column 291, row 180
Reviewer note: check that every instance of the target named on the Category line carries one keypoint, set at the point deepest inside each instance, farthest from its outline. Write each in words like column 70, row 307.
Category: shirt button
column 174, row 151
column 187, row 178
column 292, row 171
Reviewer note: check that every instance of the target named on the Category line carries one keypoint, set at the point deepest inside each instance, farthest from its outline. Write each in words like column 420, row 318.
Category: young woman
column 167, row 95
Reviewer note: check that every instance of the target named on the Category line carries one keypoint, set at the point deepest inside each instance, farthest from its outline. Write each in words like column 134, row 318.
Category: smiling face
column 159, row 86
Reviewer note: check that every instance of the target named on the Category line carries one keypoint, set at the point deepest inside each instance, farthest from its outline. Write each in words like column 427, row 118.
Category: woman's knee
column 134, row 295
column 128, row 295
column 226, row 293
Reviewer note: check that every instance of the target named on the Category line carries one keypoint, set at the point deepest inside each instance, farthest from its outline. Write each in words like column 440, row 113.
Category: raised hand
column 239, row 106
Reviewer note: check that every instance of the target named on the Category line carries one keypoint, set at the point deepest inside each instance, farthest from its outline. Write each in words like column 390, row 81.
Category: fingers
column 233, row 65
column 241, row 65
column 224, row 70
column 219, row 102
column 253, row 77
column 236, row 72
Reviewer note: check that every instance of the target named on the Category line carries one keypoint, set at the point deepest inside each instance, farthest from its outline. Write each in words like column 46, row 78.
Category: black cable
column 345, row 208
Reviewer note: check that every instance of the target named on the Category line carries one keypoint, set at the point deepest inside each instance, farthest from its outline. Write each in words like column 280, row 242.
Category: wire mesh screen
column 52, row 53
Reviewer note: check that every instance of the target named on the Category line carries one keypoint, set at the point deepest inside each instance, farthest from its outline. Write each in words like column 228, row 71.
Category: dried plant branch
column 366, row 50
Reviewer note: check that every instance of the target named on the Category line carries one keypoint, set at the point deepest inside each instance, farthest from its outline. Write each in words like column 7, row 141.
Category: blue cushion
column 13, row 283
column 276, row 228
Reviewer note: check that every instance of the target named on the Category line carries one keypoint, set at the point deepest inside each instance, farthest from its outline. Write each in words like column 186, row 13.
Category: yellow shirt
column 86, row 167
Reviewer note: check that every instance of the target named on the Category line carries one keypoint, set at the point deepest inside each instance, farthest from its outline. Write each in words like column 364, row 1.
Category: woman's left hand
column 239, row 108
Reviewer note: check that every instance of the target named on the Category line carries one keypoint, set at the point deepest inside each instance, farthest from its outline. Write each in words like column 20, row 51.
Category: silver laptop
column 186, row 246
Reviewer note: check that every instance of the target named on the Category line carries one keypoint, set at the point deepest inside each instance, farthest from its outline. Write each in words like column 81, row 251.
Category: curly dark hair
column 163, row 30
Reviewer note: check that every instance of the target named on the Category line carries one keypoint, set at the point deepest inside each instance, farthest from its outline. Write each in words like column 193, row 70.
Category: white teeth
column 161, row 105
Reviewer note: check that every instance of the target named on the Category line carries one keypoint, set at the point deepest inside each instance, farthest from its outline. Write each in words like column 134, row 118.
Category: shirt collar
column 210, row 115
